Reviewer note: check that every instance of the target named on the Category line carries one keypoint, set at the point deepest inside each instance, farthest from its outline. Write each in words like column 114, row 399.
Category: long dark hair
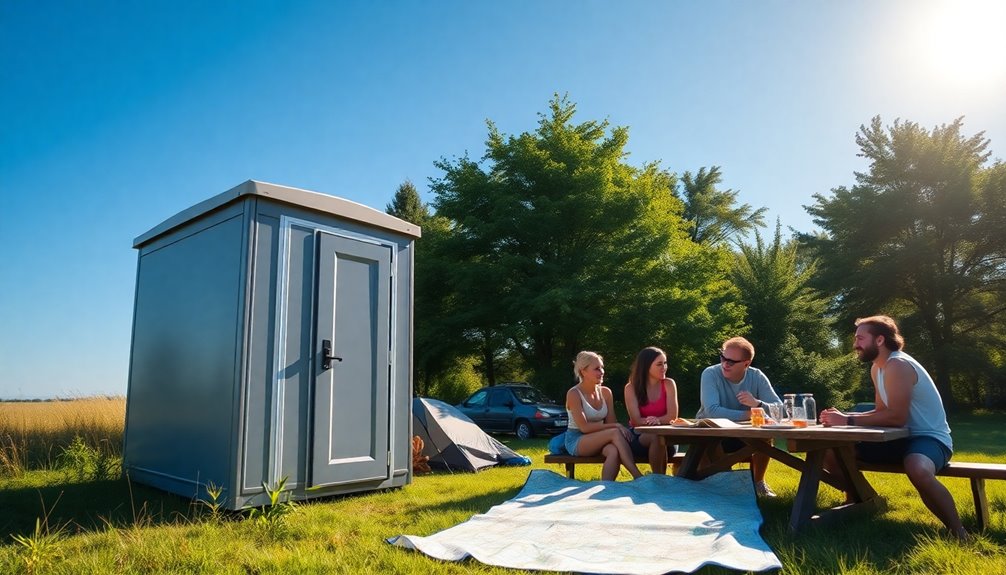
column 640, row 372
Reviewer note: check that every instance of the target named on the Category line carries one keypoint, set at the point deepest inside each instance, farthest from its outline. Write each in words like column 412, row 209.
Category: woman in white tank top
column 593, row 429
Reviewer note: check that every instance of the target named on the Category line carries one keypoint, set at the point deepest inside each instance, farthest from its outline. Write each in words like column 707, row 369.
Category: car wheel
column 524, row 430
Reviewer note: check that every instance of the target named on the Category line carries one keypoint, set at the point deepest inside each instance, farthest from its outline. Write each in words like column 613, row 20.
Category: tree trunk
column 489, row 364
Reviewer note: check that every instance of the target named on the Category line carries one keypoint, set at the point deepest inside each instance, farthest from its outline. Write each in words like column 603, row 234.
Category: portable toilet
column 272, row 340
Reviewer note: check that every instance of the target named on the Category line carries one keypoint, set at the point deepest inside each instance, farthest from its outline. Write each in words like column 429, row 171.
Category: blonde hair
column 582, row 361
column 741, row 344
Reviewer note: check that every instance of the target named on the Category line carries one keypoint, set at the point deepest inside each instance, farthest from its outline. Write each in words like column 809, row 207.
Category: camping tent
column 454, row 442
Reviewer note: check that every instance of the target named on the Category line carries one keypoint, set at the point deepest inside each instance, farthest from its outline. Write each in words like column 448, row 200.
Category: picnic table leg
column 571, row 470
column 981, row 502
column 858, row 486
column 689, row 468
column 806, row 494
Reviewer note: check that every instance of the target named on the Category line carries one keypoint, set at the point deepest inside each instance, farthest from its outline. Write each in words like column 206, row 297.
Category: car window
column 529, row 395
column 478, row 399
column 498, row 397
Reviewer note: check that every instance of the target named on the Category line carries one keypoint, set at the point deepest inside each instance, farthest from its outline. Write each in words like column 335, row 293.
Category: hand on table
column 832, row 416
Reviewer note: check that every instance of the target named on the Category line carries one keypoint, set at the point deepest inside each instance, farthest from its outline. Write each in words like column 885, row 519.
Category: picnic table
column 814, row 441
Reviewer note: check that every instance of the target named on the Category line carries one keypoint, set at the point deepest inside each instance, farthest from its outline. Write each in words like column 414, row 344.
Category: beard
column 867, row 354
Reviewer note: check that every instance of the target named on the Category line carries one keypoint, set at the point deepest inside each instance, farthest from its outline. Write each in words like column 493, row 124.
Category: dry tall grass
column 34, row 434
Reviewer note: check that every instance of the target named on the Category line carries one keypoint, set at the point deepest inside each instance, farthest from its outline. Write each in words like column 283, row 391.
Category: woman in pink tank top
column 651, row 398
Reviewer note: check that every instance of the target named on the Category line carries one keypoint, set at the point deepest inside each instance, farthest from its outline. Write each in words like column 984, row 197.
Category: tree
column 919, row 237
column 557, row 244
column 715, row 216
column 789, row 324
column 437, row 346
column 407, row 205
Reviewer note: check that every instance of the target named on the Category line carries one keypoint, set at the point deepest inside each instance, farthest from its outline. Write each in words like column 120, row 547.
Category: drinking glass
column 799, row 416
column 775, row 411
column 789, row 400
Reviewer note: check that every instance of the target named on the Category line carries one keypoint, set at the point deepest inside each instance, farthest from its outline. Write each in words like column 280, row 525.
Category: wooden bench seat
column 570, row 461
column 976, row 472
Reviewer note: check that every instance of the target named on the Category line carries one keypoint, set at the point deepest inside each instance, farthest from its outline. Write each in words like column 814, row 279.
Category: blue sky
column 115, row 115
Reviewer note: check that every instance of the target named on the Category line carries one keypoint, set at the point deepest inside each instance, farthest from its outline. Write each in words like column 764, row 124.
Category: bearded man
column 905, row 396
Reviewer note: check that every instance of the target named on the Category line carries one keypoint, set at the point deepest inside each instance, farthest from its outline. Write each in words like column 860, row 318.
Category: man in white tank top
column 905, row 396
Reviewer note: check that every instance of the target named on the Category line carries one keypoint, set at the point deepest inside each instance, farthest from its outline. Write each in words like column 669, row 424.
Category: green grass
column 111, row 526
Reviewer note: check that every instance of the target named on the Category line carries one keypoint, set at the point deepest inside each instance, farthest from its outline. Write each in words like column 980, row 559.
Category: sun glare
column 962, row 42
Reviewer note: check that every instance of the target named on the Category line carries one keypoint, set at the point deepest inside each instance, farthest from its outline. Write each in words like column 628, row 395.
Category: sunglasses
column 730, row 362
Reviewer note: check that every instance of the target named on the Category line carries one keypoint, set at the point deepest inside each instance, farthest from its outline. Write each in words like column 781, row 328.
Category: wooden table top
column 819, row 432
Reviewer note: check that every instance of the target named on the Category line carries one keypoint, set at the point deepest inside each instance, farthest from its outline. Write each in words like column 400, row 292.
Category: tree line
column 551, row 243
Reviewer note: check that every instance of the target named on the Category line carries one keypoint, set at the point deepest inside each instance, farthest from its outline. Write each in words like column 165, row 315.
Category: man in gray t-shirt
column 730, row 389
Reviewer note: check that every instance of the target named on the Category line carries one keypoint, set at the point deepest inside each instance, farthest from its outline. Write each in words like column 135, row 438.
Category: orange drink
column 799, row 423
column 757, row 417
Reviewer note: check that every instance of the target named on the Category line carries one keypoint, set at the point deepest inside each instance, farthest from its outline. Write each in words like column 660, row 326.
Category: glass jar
column 809, row 406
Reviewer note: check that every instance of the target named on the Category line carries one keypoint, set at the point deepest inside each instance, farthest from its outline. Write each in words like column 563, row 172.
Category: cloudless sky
column 115, row 115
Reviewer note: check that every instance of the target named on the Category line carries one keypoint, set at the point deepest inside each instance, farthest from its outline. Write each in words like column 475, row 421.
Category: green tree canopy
column 919, row 237
column 715, row 216
column 789, row 323
column 558, row 245
column 407, row 205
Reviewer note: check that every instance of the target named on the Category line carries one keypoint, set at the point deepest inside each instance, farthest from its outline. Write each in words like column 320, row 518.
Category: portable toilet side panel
column 184, row 367
column 315, row 385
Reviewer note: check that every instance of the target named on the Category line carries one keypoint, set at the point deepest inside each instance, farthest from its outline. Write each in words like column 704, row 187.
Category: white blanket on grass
column 654, row 524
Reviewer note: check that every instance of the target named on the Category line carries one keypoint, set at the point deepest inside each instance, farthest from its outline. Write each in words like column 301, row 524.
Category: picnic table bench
column 976, row 472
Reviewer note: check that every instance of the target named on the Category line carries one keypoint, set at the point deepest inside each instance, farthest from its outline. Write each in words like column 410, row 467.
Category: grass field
column 34, row 434
column 113, row 526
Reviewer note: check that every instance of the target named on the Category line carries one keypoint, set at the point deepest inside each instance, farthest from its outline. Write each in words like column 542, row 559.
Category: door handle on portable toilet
column 326, row 354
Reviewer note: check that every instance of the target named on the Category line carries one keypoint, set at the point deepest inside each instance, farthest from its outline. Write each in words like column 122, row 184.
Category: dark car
column 514, row 408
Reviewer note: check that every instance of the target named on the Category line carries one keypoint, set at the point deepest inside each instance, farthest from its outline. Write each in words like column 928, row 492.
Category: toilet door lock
column 326, row 354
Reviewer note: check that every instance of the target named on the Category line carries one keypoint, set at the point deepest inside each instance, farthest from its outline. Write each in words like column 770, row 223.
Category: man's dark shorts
column 896, row 451
column 640, row 451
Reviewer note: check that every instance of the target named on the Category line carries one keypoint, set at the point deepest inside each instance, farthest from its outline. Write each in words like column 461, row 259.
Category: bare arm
column 671, row 391
column 632, row 406
column 609, row 400
column 899, row 381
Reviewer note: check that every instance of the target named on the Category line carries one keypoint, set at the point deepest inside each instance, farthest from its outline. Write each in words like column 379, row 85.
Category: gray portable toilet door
column 351, row 427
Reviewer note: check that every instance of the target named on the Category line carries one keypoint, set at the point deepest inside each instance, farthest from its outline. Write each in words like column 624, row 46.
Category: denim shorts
column 641, row 451
column 896, row 451
column 572, row 440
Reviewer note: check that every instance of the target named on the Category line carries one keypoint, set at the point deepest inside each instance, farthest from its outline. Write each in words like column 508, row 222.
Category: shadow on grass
column 89, row 506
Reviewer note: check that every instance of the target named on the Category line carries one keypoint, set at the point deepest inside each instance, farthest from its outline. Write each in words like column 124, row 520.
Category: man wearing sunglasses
column 730, row 389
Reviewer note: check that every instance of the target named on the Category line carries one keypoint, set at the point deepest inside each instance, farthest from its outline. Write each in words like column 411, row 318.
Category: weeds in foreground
column 214, row 504
column 272, row 516
column 87, row 462
column 41, row 549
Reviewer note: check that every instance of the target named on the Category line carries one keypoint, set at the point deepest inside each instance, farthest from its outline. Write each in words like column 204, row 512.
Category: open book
column 705, row 422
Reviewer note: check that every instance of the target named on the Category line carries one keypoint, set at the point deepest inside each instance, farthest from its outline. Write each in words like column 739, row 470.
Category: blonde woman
column 593, row 429
column 651, row 398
